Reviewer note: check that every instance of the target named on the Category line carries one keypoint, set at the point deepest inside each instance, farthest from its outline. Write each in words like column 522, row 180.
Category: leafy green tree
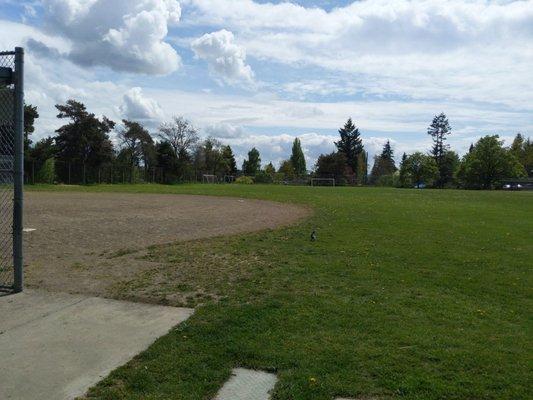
column 286, row 168
column 488, row 164
column 418, row 169
column 38, row 154
column 229, row 160
column 333, row 165
column 448, row 168
column 252, row 165
column 298, row 158
column 269, row 169
column 43, row 150
column 213, row 156
column 350, row 144
column 84, row 141
column 438, row 130
column 47, row 172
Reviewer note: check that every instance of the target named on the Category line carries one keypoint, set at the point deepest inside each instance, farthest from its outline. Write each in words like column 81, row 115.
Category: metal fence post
column 18, row 169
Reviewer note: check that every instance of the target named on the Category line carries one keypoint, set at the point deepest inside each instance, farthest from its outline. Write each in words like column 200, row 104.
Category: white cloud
column 473, row 50
column 224, row 130
column 127, row 35
column 138, row 107
column 226, row 59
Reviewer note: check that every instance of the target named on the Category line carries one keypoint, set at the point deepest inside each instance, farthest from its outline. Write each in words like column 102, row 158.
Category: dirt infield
column 81, row 241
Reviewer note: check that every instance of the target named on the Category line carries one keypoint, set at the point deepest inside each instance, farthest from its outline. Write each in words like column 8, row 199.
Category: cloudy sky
column 258, row 73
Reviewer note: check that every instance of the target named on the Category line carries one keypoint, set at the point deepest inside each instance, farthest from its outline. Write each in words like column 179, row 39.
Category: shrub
column 262, row 177
column 385, row 180
column 47, row 172
column 244, row 180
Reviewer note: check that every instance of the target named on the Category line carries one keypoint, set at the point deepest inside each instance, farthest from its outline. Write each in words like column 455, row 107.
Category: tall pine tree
column 253, row 164
column 438, row 130
column 229, row 160
column 298, row 158
column 383, row 164
column 351, row 145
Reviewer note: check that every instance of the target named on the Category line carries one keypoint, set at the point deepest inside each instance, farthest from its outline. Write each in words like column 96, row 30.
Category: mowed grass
column 406, row 294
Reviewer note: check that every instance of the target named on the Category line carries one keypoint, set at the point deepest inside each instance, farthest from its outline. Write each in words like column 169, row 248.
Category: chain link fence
column 11, row 142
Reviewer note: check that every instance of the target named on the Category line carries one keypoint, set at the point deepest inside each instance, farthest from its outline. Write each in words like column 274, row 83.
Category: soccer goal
column 209, row 178
column 229, row 178
column 322, row 181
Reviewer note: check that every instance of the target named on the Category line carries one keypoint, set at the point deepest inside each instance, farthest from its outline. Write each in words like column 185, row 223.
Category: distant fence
column 76, row 173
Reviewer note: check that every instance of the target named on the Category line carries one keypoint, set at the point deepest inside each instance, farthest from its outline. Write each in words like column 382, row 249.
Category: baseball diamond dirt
column 88, row 243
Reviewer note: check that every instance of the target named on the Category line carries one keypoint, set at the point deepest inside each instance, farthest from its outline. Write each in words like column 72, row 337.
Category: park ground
column 411, row 294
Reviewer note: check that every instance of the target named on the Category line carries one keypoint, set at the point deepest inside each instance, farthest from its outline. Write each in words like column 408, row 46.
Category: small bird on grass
column 313, row 235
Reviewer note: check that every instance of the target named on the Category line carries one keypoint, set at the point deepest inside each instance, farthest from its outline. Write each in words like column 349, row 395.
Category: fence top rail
column 7, row 53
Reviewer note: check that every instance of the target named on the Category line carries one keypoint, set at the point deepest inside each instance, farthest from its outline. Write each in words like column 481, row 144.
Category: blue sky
column 259, row 73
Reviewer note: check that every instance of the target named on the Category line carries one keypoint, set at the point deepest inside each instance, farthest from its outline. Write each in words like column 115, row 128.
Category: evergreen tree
column 298, row 158
column 362, row 168
column 84, row 141
column 253, row 164
column 229, row 160
column 30, row 115
column 138, row 145
column 350, row 144
column 522, row 149
column 383, row 164
column 438, row 130
column 167, row 161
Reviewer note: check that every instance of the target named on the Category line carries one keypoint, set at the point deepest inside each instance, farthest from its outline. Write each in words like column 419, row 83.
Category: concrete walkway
column 55, row 346
column 246, row 384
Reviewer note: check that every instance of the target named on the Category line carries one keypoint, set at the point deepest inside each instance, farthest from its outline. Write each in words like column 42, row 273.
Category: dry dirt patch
column 89, row 242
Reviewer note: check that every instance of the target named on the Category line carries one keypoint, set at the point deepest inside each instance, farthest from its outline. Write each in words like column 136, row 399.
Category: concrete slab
column 55, row 346
column 246, row 384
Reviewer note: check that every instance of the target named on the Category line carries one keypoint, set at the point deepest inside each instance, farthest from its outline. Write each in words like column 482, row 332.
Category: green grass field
column 406, row 294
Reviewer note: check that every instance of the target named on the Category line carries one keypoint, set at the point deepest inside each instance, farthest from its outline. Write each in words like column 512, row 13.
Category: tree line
column 485, row 166
column 82, row 152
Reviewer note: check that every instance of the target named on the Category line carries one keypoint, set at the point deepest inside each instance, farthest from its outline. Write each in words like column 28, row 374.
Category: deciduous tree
column 180, row 134
column 417, row 170
column 488, row 164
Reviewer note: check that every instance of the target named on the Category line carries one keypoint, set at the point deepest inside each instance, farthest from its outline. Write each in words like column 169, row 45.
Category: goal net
column 229, row 178
column 322, row 181
column 209, row 178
